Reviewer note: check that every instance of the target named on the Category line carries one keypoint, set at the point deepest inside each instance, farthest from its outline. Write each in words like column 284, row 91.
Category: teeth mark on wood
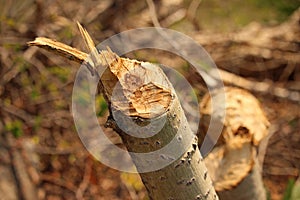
column 157, row 142
column 189, row 182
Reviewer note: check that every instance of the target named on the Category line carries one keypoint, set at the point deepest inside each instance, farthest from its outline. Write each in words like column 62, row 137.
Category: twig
column 59, row 182
column 18, row 112
column 153, row 13
column 174, row 17
column 8, row 76
column 288, row 70
column 192, row 10
column 85, row 181
column 26, row 186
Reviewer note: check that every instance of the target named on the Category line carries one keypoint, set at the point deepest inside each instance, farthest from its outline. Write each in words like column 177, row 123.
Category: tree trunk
column 140, row 92
column 186, row 177
column 233, row 164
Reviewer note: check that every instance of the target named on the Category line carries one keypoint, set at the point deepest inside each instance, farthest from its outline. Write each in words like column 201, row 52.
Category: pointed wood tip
column 86, row 37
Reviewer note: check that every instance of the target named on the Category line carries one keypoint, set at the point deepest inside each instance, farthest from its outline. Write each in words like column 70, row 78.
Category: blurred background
column 41, row 155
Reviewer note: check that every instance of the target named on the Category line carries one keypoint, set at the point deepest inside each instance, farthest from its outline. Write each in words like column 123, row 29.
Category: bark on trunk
column 186, row 177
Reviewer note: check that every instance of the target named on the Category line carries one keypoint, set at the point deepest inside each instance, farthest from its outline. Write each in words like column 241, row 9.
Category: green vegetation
column 15, row 127
column 61, row 72
column 223, row 16
column 292, row 191
column 101, row 106
column 296, row 191
column 289, row 189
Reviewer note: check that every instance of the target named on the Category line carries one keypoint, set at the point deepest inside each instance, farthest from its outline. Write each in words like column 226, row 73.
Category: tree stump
column 233, row 164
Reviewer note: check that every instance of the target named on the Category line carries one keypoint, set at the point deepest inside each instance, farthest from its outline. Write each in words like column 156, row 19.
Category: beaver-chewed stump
column 140, row 92
column 233, row 163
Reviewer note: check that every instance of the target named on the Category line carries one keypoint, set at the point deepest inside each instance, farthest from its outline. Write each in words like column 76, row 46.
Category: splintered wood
column 138, row 89
column 244, row 116
column 59, row 48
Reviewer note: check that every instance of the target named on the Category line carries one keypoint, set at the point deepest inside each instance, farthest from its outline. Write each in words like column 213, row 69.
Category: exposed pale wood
column 59, row 48
column 244, row 116
column 233, row 164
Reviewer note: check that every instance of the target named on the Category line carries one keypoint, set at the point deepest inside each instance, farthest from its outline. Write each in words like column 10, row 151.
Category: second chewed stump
column 233, row 163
